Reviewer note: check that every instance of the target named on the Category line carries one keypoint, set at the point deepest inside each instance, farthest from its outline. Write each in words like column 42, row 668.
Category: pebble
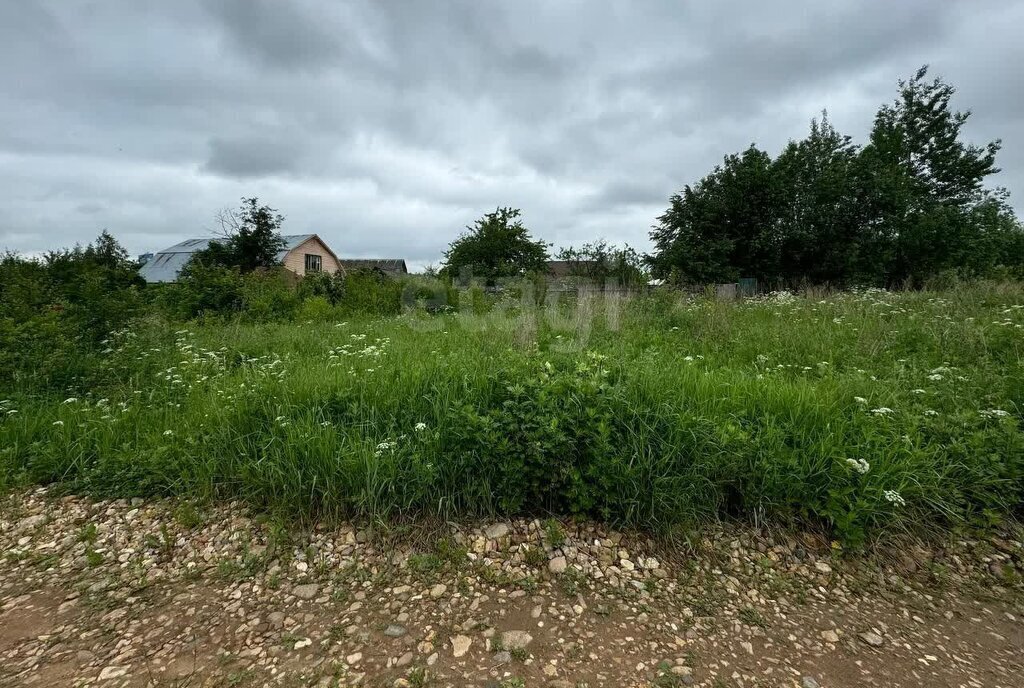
column 871, row 638
column 498, row 530
column 516, row 640
column 112, row 672
column 307, row 591
column 557, row 565
column 460, row 645
column 395, row 631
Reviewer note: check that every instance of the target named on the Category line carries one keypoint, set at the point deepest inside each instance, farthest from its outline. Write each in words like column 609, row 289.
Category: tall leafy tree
column 495, row 246
column 250, row 238
column 722, row 227
column 924, row 181
column 819, row 216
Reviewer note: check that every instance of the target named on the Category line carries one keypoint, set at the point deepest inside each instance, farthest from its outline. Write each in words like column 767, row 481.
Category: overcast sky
column 386, row 127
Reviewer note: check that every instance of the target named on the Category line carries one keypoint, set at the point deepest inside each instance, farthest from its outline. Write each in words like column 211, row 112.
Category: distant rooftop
column 570, row 268
column 394, row 266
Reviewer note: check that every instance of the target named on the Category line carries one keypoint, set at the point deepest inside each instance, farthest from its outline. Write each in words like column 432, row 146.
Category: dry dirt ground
column 167, row 594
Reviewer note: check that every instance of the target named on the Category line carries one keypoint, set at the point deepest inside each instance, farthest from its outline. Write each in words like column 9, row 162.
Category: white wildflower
column 420, row 427
column 882, row 410
column 931, row 412
column 859, row 465
column 894, row 497
column 70, row 400
column 860, row 400
column 58, row 422
column 994, row 413
column 935, row 377
column 917, row 391
column 168, row 432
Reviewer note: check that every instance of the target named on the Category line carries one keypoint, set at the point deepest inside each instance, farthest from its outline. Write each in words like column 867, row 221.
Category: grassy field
column 866, row 412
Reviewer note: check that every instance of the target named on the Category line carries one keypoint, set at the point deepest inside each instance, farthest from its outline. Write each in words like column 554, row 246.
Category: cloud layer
column 386, row 127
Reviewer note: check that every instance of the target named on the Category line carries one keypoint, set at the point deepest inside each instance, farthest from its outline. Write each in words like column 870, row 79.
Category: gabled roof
column 392, row 265
column 166, row 265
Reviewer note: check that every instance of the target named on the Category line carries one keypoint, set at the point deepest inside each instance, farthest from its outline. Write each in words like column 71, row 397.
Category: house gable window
column 314, row 263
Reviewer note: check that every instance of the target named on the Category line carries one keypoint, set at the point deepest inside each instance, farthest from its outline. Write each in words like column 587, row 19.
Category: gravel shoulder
column 164, row 593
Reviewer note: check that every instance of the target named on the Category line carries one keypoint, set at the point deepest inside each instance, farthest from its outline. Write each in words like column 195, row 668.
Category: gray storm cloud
column 388, row 126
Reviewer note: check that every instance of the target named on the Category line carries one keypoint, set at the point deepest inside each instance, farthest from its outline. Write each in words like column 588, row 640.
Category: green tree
column 605, row 263
column 924, row 182
column 819, row 218
column 723, row 227
column 496, row 246
column 251, row 238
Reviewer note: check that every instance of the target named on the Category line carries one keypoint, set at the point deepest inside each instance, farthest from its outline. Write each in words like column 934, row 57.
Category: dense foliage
column 605, row 264
column 251, row 239
column 496, row 246
column 865, row 412
column 55, row 312
column 907, row 207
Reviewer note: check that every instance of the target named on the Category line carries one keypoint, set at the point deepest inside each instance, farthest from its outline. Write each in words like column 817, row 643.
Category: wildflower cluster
column 859, row 465
column 357, row 349
column 893, row 497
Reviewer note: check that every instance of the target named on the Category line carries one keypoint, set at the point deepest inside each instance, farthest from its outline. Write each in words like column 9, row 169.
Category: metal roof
column 166, row 265
column 394, row 265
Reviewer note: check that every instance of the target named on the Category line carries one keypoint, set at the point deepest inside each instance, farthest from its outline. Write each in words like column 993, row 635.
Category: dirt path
column 116, row 594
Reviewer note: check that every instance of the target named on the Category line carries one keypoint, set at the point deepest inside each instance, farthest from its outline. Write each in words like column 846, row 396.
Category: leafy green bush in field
column 269, row 296
column 541, row 440
column 369, row 292
column 55, row 312
column 204, row 290
column 330, row 287
column 430, row 294
column 213, row 291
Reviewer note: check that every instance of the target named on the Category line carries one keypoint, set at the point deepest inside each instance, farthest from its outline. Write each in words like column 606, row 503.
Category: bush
column 56, row 312
column 204, row 290
column 546, row 436
column 330, row 287
column 430, row 294
column 316, row 309
column 370, row 292
column 269, row 296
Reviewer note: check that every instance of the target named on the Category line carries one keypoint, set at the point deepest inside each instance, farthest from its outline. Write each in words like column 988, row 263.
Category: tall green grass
column 865, row 413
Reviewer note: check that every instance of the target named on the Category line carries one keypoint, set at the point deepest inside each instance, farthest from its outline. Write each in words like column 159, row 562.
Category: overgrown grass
column 866, row 413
